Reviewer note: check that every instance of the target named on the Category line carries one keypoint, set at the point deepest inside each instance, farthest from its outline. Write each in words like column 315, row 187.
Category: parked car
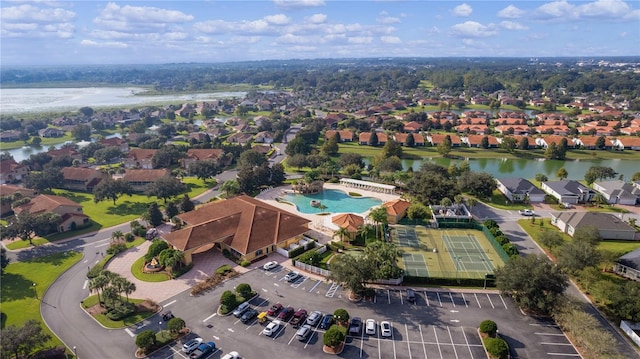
column 249, row 315
column 275, row 309
column 370, row 327
column 240, row 309
column 385, row 329
column 191, row 345
column 231, row 355
column 270, row 265
column 303, row 333
column 326, row 322
column 166, row 316
column 314, row 318
column 285, row 314
column 411, row 296
column 527, row 212
column 271, row 328
column 355, row 327
column 291, row 276
column 299, row 317
column 202, row 350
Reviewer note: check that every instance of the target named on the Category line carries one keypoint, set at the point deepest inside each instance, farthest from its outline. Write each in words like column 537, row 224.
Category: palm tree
column 363, row 231
column 110, row 292
column 342, row 232
column 98, row 283
column 379, row 217
column 599, row 199
column 128, row 288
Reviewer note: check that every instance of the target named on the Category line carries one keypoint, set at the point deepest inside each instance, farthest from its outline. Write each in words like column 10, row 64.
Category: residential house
column 589, row 142
column 82, row 178
column 71, row 216
column 559, row 130
column 331, row 120
column 569, row 191
column 9, row 136
column 11, row 171
column 194, row 155
column 476, row 141
column 246, row 227
column 141, row 179
column 264, row 137
column 115, row 142
column 345, row 135
column 50, row 132
column 401, row 138
column 350, row 222
column 627, row 143
column 474, row 129
column 514, row 130
column 242, row 138
column 66, row 151
column 619, row 192
column 546, row 141
column 511, row 121
column 482, row 115
column 140, row 158
column 412, row 127
column 520, row 190
column 365, row 137
column 609, row 226
column 436, row 139
column 396, row 210
column 628, row 265
column 7, row 190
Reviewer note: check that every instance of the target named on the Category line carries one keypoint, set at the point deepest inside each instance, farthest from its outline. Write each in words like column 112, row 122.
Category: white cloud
column 225, row 27
column 298, row 4
column 605, row 9
column 561, row 10
column 473, row 29
column 463, row 10
column 279, row 19
column 28, row 13
column 30, row 21
column 390, row 40
column 360, row 40
column 556, row 9
column 511, row 25
column 111, row 44
column 386, row 19
column 511, row 12
column 292, row 39
column 137, row 19
column 317, row 18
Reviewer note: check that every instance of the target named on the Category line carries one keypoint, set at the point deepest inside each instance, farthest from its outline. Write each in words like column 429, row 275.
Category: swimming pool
column 334, row 200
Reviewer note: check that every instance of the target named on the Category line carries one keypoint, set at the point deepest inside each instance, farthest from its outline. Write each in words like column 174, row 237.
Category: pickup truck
column 202, row 350
column 299, row 317
column 527, row 212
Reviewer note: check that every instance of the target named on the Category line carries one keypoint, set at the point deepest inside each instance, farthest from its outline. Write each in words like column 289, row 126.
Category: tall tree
column 111, row 189
column 379, row 216
column 562, row 173
column 154, row 215
column 444, row 147
column 204, row 169
column 186, row 204
column 230, row 188
column 166, row 187
column 331, row 146
column 599, row 173
column 81, row 132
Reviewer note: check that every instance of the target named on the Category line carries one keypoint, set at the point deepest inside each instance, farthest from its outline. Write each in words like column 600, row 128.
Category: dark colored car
column 326, row 322
column 411, row 296
column 249, row 315
column 285, row 314
column 355, row 327
column 299, row 317
column 275, row 309
column 167, row 315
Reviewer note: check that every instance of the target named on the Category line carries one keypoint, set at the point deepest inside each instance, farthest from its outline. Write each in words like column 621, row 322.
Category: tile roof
column 45, row 203
column 203, row 154
column 603, row 221
column 397, row 206
column 244, row 223
column 349, row 221
column 78, row 173
column 141, row 153
column 145, row 175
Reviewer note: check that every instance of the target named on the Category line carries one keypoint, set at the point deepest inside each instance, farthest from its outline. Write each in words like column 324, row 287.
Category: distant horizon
column 133, row 32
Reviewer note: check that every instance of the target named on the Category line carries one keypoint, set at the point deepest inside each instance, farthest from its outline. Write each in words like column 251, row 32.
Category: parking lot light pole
column 35, row 289
column 75, row 351
column 159, row 327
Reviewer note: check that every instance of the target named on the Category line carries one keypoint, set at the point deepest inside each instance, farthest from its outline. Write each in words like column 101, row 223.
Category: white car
column 385, row 329
column 303, row 333
column 191, row 345
column 314, row 318
column 527, row 212
column 270, row 265
column 370, row 327
column 291, row 276
column 231, row 355
column 271, row 328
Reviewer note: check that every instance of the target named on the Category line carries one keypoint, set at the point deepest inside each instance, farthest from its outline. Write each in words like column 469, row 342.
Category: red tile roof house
column 476, row 141
column 345, row 135
column 545, row 141
column 517, row 130
column 553, row 130
column 332, row 119
column 141, row 179
column 115, row 142
column 245, row 226
column 81, row 178
column 139, row 158
column 396, row 210
column 436, row 139
column 349, row 221
column 589, row 142
column 65, row 151
column 509, row 121
column 365, row 137
column 11, row 171
column 412, row 126
column 198, row 154
column 628, row 143
column 7, row 190
column 475, row 129
column 69, row 211
column 401, row 138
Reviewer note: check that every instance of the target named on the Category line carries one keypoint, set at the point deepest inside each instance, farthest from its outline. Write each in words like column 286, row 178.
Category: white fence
column 630, row 329
column 312, row 269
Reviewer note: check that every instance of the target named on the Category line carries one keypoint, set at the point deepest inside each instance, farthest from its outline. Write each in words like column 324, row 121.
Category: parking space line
column 439, row 300
column 503, row 302
column 465, row 301
column 177, row 352
column 379, row 354
column 437, row 342
column 393, row 341
column 209, row 317
column 467, row 342
column 408, row 344
column 128, row 331
column 292, row 337
column 566, row 355
column 452, row 302
column 568, row 344
column 332, row 290
column 314, row 287
column 477, row 300
column 296, row 285
column 361, row 342
column 424, row 348
column 389, row 295
column 452, row 344
column 488, row 297
column 401, row 301
column 555, row 334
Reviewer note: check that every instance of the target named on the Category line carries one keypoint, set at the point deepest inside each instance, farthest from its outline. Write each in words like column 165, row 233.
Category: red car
column 275, row 309
column 286, row 313
column 299, row 317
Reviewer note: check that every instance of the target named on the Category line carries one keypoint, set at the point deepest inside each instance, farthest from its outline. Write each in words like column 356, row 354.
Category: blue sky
column 138, row 32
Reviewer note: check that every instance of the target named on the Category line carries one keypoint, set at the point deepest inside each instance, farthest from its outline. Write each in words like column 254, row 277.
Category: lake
column 34, row 100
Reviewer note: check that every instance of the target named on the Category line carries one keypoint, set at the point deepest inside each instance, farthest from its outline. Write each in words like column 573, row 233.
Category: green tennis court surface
column 445, row 253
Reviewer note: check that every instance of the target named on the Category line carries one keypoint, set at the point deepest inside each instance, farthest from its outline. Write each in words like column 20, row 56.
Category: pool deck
column 321, row 225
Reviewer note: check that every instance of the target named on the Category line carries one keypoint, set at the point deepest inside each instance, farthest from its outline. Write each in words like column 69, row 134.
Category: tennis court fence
column 475, row 225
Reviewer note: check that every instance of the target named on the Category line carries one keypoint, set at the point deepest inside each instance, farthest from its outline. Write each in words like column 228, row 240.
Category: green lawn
column 136, row 269
column 116, row 324
column 18, row 303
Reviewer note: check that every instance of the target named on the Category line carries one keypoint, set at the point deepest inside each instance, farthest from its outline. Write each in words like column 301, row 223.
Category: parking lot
column 439, row 324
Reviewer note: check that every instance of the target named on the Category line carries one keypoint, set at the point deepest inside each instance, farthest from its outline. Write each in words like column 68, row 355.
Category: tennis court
column 445, row 253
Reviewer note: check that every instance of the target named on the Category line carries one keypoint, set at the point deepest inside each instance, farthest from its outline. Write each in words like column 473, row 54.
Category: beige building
column 70, row 212
column 245, row 226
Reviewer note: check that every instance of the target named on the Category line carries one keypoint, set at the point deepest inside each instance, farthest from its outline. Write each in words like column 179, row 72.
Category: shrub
column 116, row 248
column 312, row 258
column 120, row 310
column 228, row 299
column 488, row 327
column 510, row 249
column 223, row 269
column 244, row 290
column 495, row 231
column 175, row 325
column 341, row 316
column 94, row 271
column 497, row 347
column 297, row 251
column 502, row 239
column 490, row 223
column 245, row 263
column 155, row 248
column 129, row 237
column 334, row 336
column 146, row 340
